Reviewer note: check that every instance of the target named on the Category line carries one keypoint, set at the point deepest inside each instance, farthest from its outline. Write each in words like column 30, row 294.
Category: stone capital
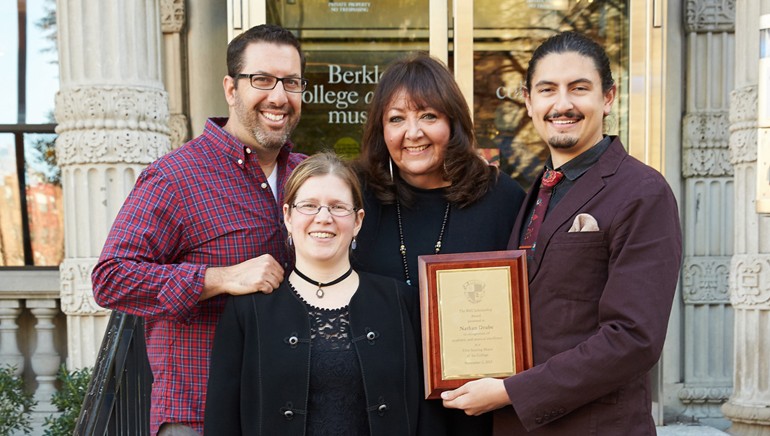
column 172, row 16
column 111, row 124
column 709, row 16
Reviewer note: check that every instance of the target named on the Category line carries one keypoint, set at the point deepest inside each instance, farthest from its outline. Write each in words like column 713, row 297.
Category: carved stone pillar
column 707, row 215
column 749, row 405
column 172, row 16
column 113, row 120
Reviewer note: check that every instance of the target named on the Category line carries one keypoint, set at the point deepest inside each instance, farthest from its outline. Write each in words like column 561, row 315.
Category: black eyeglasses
column 267, row 82
column 338, row 210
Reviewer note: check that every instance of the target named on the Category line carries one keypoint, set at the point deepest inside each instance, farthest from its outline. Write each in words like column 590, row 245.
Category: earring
column 290, row 241
column 390, row 166
column 353, row 244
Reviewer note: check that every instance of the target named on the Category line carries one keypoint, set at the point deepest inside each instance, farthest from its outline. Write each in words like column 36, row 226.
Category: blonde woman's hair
column 321, row 164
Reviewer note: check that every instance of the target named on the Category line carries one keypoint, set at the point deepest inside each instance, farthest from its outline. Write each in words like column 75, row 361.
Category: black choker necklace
column 402, row 246
column 320, row 292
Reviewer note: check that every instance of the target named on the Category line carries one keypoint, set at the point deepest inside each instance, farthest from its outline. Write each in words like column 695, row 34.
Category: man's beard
column 272, row 140
column 562, row 142
column 269, row 139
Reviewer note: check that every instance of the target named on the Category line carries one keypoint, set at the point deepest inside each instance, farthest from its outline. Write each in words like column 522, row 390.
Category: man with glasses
column 204, row 221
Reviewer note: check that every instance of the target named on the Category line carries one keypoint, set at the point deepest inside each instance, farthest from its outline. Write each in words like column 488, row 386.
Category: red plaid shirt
column 206, row 204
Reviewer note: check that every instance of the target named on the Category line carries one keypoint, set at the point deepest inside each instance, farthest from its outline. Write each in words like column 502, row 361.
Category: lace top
column 336, row 400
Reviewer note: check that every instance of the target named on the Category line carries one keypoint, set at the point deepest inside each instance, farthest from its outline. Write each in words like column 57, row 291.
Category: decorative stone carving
column 105, row 124
column 710, row 16
column 706, row 163
column 76, row 293
column 180, row 133
column 706, row 141
column 172, row 16
column 706, row 280
column 698, row 394
column 704, row 402
column 743, row 125
column 750, row 281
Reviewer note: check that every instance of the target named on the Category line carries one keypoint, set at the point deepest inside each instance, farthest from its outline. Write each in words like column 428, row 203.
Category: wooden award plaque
column 475, row 317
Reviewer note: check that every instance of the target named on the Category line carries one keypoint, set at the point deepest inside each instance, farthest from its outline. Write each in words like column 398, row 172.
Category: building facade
column 137, row 78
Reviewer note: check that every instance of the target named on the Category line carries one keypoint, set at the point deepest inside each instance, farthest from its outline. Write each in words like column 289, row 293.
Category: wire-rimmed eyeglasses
column 267, row 82
column 310, row 208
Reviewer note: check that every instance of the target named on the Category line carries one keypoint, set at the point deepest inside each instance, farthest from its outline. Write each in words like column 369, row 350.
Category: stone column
column 749, row 405
column 172, row 16
column 707, row 215
column 112, row 113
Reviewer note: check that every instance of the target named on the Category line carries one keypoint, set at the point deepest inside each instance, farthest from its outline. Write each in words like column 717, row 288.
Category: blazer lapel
column 586, row 187
column 518, row 226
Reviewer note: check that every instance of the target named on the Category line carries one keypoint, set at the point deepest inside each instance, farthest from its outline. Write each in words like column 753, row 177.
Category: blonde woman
column 332, row 351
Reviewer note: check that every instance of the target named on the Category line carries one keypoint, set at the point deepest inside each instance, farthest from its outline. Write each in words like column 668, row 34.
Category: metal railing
column 118, row 398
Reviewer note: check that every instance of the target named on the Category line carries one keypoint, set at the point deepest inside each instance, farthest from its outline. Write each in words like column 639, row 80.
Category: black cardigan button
column 288, row 414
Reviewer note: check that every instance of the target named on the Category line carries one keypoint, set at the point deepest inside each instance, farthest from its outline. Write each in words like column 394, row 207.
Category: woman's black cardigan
column 260, row 362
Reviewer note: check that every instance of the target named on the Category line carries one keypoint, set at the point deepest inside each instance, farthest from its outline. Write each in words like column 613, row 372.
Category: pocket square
column 584, row 223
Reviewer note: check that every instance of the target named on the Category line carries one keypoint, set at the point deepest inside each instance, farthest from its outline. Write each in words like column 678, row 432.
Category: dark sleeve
column 645, row 247
column 223, row 394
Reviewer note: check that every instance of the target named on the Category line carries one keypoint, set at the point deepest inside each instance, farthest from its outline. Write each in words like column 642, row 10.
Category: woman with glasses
column 332, row 351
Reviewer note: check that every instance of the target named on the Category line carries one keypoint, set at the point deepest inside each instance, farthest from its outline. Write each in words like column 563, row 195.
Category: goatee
column 562, row 142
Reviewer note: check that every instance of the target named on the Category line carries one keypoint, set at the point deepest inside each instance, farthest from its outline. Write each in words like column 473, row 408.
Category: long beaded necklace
column 402, row 246
column 320, row 292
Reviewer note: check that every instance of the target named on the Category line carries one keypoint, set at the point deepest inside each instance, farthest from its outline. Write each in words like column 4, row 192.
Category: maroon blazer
column 600, row 303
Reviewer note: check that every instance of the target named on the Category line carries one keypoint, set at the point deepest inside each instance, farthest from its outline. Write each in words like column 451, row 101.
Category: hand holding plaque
column 475, row 317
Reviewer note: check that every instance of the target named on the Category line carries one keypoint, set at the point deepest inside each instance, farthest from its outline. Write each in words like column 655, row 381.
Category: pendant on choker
column 320, row 292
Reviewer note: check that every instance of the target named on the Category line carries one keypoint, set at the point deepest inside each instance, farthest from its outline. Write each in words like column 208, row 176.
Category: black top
column 483, row 226
column 261, row 364
column 336, row 399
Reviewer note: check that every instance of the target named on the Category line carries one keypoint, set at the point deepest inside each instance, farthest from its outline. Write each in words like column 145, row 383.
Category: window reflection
column 31, row 215
column 44, row 200
column 336, row 99
column 11, row 236
column 506, row 34
column 351, row 36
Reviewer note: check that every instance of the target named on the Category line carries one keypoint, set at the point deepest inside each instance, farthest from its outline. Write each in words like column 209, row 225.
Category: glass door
column 505, row 36
column 486, row 43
